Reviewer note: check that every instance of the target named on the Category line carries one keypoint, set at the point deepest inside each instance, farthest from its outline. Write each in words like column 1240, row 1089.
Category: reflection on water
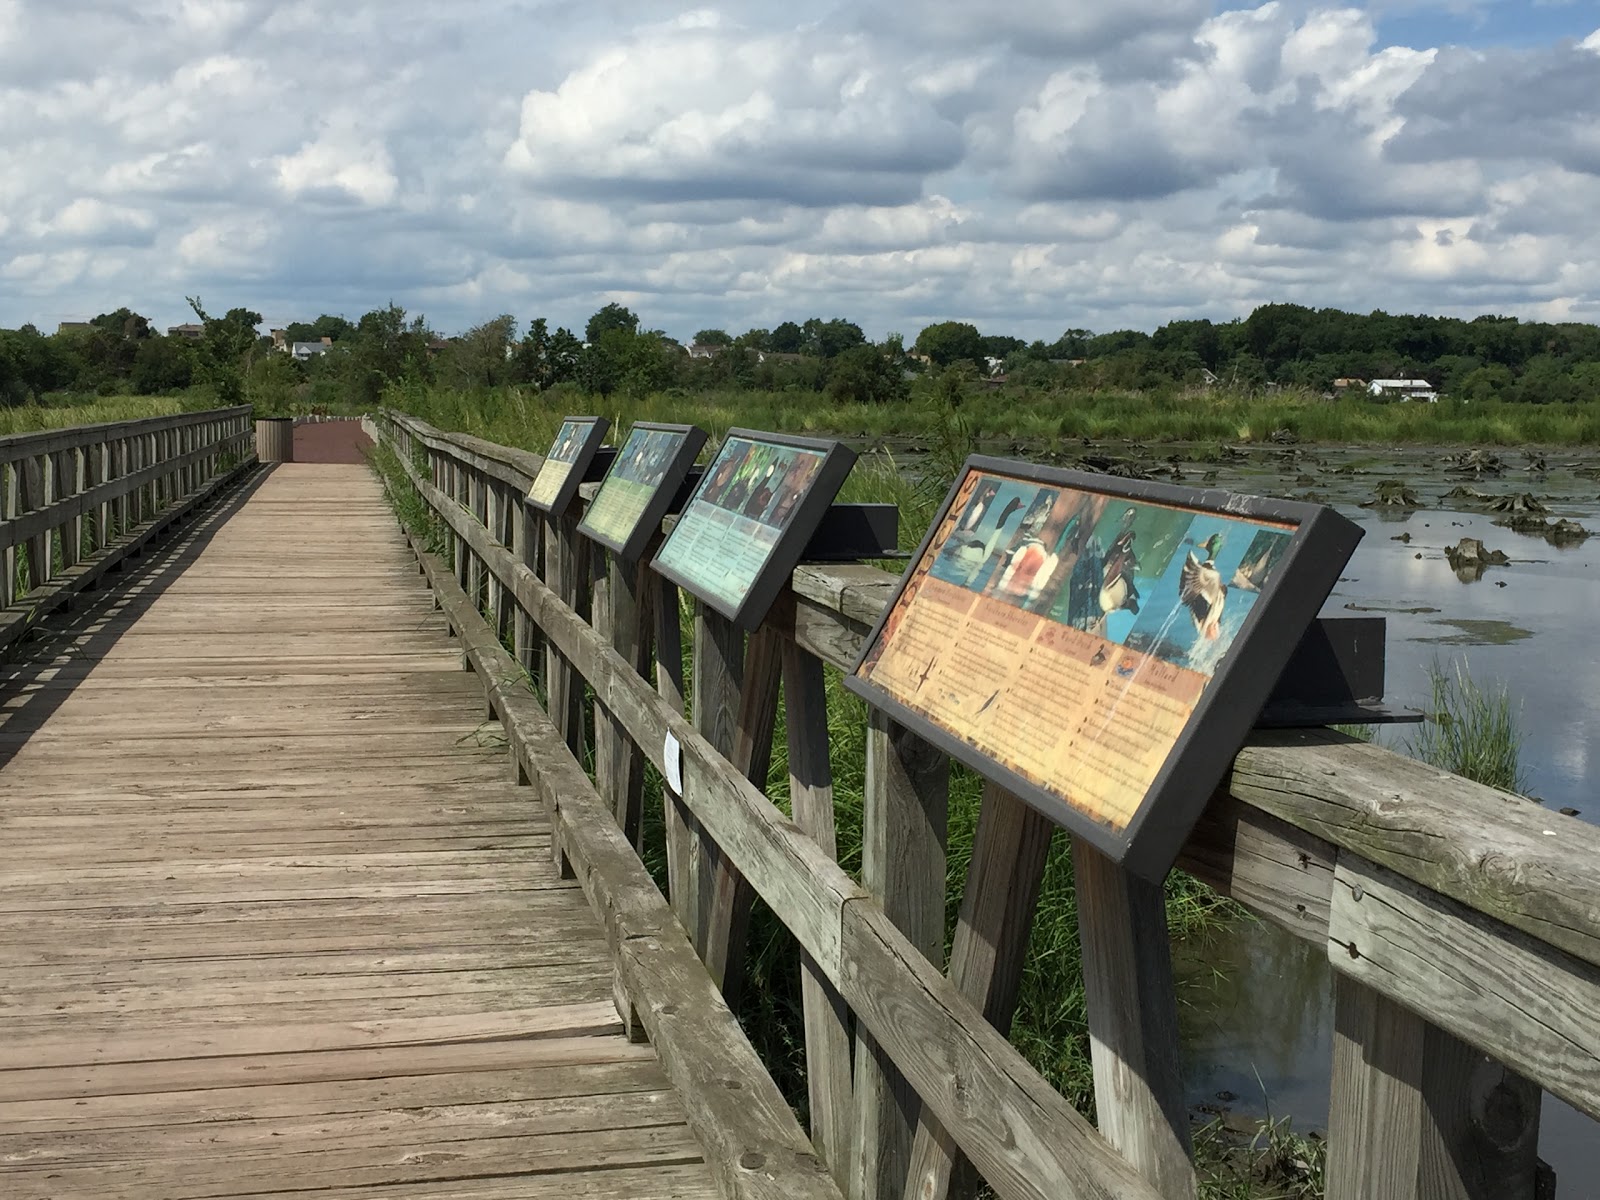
column 1258, row 1014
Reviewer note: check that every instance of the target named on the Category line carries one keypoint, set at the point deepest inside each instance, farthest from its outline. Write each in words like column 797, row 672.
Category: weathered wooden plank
column 1138, row 1081
column 623, row 613
column 1021, row 1135
column 1275, row 870
column 1009, row 850
column 726, row 919
column 1375, row 1110
column 1527, row 1004
column 903, row 866
column 1480, row 1125
column 827, row 1020
column 1498, row 854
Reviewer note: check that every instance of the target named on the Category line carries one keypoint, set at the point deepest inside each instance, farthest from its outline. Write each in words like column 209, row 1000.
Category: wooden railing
column 78, row 500
column 1462, row 924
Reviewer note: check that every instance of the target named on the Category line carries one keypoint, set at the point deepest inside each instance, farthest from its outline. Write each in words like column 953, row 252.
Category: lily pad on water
column 1393, row 493
column 1477, row 633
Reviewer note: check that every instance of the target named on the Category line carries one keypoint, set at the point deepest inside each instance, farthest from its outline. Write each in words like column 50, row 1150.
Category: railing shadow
column 45, row 669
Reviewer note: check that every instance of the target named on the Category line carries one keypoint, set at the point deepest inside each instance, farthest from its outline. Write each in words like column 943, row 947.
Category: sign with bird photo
column 745, row 528
column 562, row 470
column 1100, row 646
column 640, row 486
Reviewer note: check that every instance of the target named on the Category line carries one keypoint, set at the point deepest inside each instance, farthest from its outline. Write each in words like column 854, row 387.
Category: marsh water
column 1258, row 1014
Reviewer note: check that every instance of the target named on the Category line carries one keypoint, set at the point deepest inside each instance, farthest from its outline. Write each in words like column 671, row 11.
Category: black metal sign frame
column 799, row 523
column 656, row 508
column 1299, row 581
column 594, row 430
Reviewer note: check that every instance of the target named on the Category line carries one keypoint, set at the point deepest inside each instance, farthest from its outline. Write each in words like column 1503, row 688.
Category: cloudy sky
column 1029, row 165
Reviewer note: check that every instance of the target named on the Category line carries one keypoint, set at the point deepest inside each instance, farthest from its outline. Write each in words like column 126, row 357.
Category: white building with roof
column 1403, row 389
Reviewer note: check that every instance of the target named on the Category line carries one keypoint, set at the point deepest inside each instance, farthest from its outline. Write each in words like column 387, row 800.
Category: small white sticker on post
column 672, row 764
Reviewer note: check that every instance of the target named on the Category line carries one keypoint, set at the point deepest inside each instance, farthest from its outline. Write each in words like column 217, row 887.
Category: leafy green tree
column 484, row 356
column 162, row 364
column 713, row 337
column 273, row 382
column 1000, row 345
column 950, row 342
column 1074, row 343
column 864, row 375
column 326, row 326
column 634, row 364
column 124, row 323
column 612, row 316
column 387, row 348
column 564, row 356
column 227, row 346
column 826, row 339
column 787, row 338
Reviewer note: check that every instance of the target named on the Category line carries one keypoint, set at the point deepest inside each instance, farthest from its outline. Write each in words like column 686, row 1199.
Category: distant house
column 1349, row 385
column 74, row 327
column 193, row 332
column 1403, row 389
column 705, row 349
column 777, row 356
column 279, row 340
column 306, row 351
column 438, row 344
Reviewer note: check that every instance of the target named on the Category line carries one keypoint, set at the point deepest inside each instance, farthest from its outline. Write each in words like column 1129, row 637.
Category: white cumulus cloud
column 1028, row 165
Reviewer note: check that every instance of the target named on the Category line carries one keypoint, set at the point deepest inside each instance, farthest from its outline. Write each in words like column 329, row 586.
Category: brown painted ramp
column 272, row 918
column 331, row 442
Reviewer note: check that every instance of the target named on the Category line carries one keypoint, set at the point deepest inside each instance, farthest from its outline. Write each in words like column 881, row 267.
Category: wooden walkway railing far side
column 74, row 503
column 274, row 919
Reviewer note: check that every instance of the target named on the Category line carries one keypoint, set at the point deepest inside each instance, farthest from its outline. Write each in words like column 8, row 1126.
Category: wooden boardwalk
column 273, row 918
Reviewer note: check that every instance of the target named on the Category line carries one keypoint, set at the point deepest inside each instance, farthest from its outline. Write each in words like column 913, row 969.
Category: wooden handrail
column 79, row 500
column 1458, row 919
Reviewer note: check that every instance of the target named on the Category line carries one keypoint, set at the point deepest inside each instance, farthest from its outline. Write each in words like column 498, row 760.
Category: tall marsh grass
column 1471, row 730
column 31, row 418
column 520, row 417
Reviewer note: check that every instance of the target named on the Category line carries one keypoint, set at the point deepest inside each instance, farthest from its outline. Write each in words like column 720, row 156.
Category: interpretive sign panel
column 562, row 471
column 1100, row 646
column 640, row 486
column 747, row 524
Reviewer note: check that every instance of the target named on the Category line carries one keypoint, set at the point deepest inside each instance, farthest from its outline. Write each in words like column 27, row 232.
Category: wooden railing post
column 561, row 569
column 624, row 615
column 10, row 506
column 717, row 682
column 34, row 495
column 904, row 829
column 1133, row 1021
column 826, row 1016
column 1009, row 851
column 1416, row 1112
column 526, row 644
column 679, row 827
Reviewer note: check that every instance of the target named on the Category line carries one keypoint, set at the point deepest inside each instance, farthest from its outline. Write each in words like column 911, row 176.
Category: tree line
column 1487, row 357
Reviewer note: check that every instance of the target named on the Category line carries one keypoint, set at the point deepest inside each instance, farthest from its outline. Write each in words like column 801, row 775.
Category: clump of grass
column 1269, row 1162
column 1471, row 729
column 410, row 508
